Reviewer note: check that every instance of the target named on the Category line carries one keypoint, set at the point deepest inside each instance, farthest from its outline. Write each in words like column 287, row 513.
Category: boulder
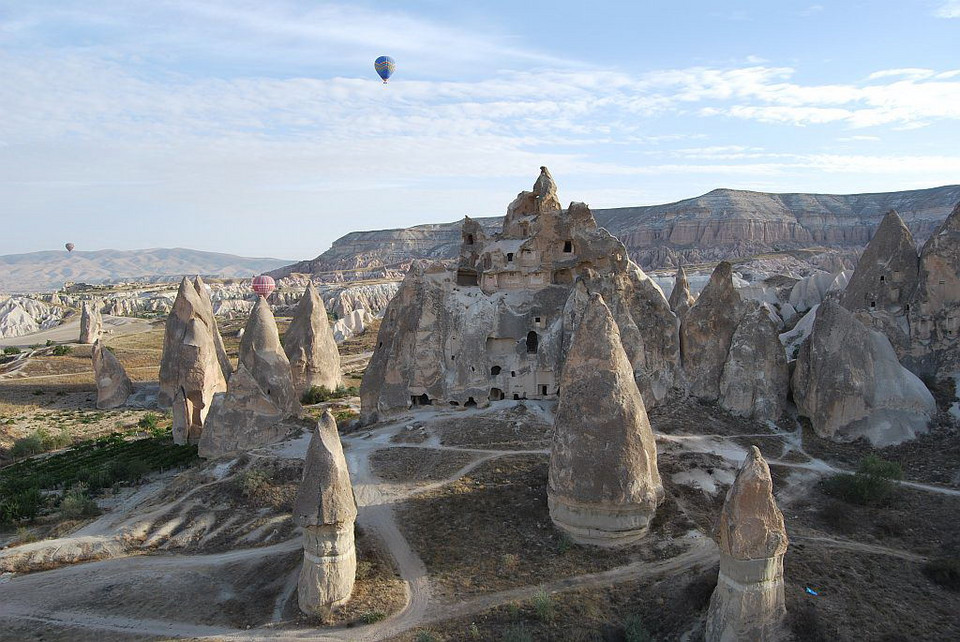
column 91, row 322
column 113, row 385
column 707, row 331
column 260, row 394
column 755, row 378
column 194, row 363
column 748, row 602
column 680, row 297
column 604, row 486
column 326, row 510
column 310, row 346
column 848, row 381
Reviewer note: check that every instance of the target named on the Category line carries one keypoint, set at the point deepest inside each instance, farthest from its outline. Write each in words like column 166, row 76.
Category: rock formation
column 748, row 602
column 260, row 394
column 494, row 328
column 326, row 510
column 113, row 385
column 707, row 331
column 755, row 379
column 680, row 297
column 310, row 347
column 194, row 364
column 604, row 486
column 91, row 322
column 848, row 381
column 934, row 312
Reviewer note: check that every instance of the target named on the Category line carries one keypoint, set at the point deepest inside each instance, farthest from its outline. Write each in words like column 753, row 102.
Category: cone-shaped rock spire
column 604, row 486
column 263, row 356
column 310, row 346
column 680, row 298
column 113, row 385
column 91, row 322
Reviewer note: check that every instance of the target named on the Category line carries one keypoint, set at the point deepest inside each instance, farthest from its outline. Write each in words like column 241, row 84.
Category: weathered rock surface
column 194, row 364
column 91, row 322
column 934, row 315
column 748, row 602
column 680, row 297
column 604, row 486
column 707, row 331
column 755, row 378
column 810, row 291
column 113, row 385
column 848, row 381
column 310, row 346
column 260, row 394
column 326, row 510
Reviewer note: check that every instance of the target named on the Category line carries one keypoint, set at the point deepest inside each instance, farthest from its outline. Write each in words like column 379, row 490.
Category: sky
column 261, row 129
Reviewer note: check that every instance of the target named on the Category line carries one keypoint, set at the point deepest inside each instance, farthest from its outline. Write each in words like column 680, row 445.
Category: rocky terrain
column 721, row 225
column 46, row 271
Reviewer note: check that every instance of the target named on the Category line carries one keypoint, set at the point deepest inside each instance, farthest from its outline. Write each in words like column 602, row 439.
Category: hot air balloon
column 69, row 247
column 385, row 66
column 263, row 285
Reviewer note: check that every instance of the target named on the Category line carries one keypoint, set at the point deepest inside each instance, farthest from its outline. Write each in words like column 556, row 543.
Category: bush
column 77, row 503
column 27, row 446
column 61, row 351
column 871, row 485
column 49, row 343
column 20, row 504
column 517, row 633
column 372, row 617
column 251, row 482
column 11, row 350
column 635, row 631
column 148, row 422
column 944, row 571
column 319, row 394
column 543, row 605
column 426, row 636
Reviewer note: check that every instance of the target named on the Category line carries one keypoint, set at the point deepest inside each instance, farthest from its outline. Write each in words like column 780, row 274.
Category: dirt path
column 69, row 332
column 849, row 545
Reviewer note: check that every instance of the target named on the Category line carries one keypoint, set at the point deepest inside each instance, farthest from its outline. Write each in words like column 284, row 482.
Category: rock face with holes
column 494, row 327
column 194, row 365
column 934, row 314
column 113, row 384
column 91, row 322
column 604, row 486
column 260, row 395
column 310, row 346
column 326, row 510
column 748, row 603
column 680, row 298
column 848, row 381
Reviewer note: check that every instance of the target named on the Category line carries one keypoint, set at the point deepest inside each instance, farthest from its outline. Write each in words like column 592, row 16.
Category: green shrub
column 517, row 633
column 319, row 394
column 77, row 503
column 55, row 440
column 251, row 482
column 876, row 467
column 32, row 444
column 148, row 422
column 61, row 351
column 344, row 416
column 426, row 636
column 20, row 504
column 944, row 571
column 11, row 350
column 872, row 484
column 543, row 605
column 372, row 617
column 49, row 343
column 635, row 631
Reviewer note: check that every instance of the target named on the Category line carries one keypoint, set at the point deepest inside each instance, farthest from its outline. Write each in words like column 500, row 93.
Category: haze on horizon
column 261, row 129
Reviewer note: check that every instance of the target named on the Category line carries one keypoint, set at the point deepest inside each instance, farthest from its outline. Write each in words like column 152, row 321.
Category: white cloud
column 949, row 9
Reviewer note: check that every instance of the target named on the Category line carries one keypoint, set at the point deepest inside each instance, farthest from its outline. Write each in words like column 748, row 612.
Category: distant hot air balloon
column 264, row 285
column 385, row 66
column 69, row 247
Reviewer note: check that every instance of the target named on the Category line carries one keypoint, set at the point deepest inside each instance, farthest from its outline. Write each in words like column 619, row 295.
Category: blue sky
column 260, row 128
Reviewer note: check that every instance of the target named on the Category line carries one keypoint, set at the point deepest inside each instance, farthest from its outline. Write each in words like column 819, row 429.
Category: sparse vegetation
column 543, row 606
column 149, row 421
column 517, row 633
column 40, row 441
column 319, row 394
column 373, row 616
column 634, row 630
column 61, row 351
column 426, row 636
column 77, row 503
column 11, row 350
column 871, row 485
column 252, row 482
column 944, row 571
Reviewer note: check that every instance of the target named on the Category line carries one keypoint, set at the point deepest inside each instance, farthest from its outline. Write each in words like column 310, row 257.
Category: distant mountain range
column 47, row 271
column 722, row 224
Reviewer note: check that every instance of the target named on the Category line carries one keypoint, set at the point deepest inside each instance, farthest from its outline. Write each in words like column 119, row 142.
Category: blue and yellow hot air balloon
column 385, row 66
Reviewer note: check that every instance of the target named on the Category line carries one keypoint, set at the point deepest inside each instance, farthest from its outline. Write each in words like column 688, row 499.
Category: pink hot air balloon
column 264, row 285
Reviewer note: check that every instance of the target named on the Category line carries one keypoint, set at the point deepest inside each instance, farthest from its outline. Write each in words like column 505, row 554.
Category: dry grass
column 417, row 465
column 513, row 428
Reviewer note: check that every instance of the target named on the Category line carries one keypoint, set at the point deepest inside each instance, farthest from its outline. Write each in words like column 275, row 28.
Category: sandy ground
column 69, row 332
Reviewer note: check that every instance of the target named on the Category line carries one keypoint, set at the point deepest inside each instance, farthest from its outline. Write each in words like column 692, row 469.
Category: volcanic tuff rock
column 494, row 327
column 707, row 331
column 680, row 297
column 720, row 225
column 848, row 381
column 604, row 486
column 310, row 347
column 194, row 364
column 755, row 379
column 260, row 394
column 326, row 510
column 748, row 602
column 810, row 291
column 113, row 385
column 934, row 314
column 91, row 322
